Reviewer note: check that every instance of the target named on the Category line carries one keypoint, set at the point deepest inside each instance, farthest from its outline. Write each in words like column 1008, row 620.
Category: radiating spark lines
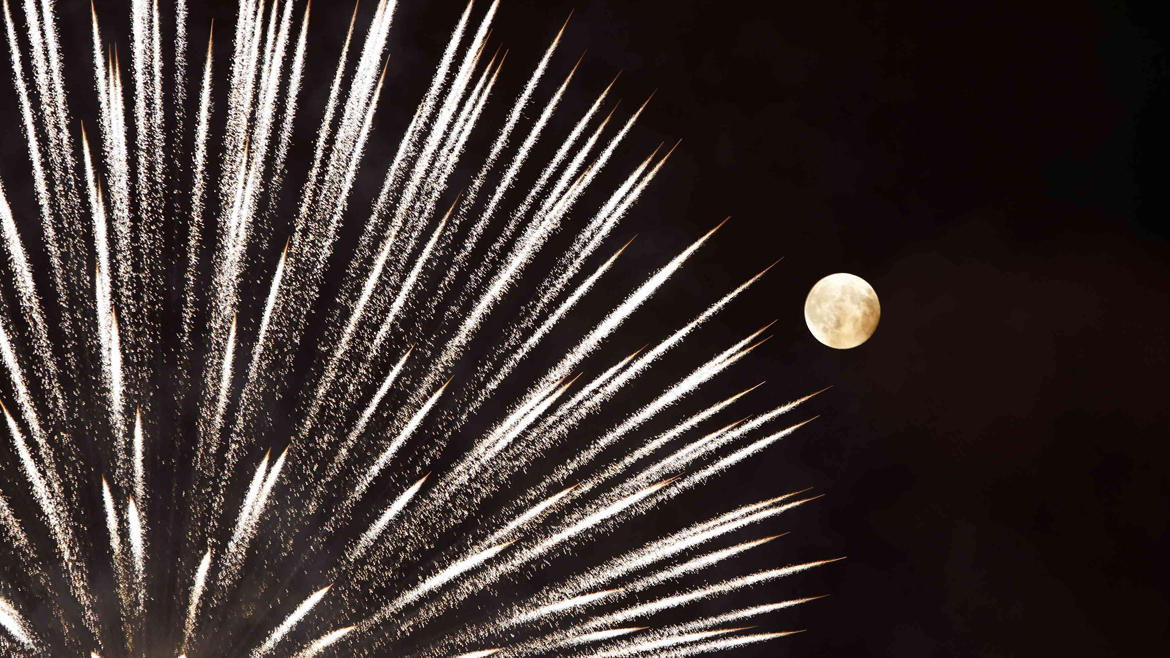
column 216, row 447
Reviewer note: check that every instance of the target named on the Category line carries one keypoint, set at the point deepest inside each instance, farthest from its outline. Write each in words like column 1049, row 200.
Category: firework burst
column 237, row 434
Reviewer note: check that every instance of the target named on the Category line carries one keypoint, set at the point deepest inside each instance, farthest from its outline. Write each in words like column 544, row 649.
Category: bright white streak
column 249, row 502
column 502, row 188
column 561, row 606
column 211, row 434
column 653, row 645
column 11, row 621
column 700, row 562
column 139, row 460
column 22, row 280
column 479, row 654
column 324, row 641
column 112, row 522
column 267, row 317
column 290, row 107
column 501, row 142
column 404, row 204
column 664, row 548
column 598, row 636
column 408, row 284
column 16, row 534
column 738, row 456
column 373, row 405
column 196, row 595
column 699, row 536
column 355, row 433
column 616, row 317
column 523, row 424
column 689, row 453
column 701, row 593
column 719, row 645
column 290, row 621
column 180, row 103
column 49, row 506
column 43, row 199
column 137, row 547
column 198, row 191
column 591, row 520
column 668, row 436
column 371, row 535
column 532, row 513
column 103, row 287
column 744, row 613
column 269, row 482
column 18, row 384
column 438, row 580
column 391, row 449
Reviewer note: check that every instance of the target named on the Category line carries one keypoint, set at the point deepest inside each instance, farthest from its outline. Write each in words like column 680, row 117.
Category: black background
column 993, row 459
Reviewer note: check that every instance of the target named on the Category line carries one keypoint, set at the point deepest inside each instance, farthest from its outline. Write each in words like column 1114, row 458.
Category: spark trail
column 354, row 443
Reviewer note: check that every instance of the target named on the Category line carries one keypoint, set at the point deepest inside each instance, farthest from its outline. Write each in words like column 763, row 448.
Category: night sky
column 993, row 460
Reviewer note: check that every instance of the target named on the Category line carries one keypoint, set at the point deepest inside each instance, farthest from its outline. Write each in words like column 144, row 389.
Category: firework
column 160, row 501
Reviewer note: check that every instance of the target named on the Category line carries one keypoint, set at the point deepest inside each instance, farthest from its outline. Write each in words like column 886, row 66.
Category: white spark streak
column 198, row 190
column 719, row 645
column 111, row 520
column 269, row 481
column 701, row 593
column 290, row 621
column 645, row 647
column 49, row 506
column 363, row 544
column 436, row 581
column 599, row 636
column 324, row 641
column 532, row 513
column 478, row 654
column 196, row 595
column 139, row 463
column 246, row 510
column 391, row 449
column 562, row 606
column 137, row 545
column 11, row 621
column 393, row 575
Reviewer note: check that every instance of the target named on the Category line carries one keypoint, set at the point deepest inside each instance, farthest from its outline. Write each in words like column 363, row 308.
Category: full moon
column 842, row 311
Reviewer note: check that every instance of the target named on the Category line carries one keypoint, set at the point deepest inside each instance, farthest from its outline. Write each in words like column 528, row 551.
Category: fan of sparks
column 155, row 306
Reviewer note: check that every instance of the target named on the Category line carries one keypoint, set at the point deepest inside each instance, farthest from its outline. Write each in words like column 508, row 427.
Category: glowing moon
column 842, row 311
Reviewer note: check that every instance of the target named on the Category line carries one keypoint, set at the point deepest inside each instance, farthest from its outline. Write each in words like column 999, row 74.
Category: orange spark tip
column 730, row 425
column 806, row 500
column 749, row 390
column 565, row 24
column 761, row 342
column 774, row 263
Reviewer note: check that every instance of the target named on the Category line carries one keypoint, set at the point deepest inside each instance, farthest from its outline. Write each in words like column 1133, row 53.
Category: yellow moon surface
column 842, row 311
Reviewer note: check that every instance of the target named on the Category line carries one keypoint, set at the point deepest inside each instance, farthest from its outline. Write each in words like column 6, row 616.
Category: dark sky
column 993, row 460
